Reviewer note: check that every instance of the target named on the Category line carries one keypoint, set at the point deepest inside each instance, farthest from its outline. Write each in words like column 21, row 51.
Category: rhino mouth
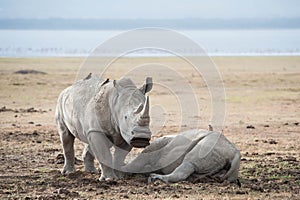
column 139, row 142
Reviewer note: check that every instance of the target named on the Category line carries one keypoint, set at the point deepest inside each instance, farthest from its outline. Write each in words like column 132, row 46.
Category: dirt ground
column 262, row 119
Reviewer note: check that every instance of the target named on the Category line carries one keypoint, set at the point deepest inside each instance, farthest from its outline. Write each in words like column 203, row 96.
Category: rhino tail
column 232, row 174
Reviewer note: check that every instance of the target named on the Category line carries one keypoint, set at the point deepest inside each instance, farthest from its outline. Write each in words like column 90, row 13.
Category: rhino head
column 133, row 111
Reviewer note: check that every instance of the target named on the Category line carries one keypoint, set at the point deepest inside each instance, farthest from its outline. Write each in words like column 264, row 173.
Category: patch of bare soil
column 262, row 120
column 31, row 162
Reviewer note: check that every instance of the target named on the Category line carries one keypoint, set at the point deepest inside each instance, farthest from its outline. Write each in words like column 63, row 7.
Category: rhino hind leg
column 232, row 174
column 67, row 140
column 88, row 159
column 181, row 173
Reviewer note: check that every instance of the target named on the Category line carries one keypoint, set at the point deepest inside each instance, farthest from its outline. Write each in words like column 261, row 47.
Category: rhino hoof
column 105, row 179
column 108, row 178
column 152, row 178
column 102, row 178
column 65, row 171
column 119, row 174
column 92, row 171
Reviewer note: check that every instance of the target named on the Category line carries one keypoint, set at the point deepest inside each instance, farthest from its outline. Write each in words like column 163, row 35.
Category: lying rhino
column 102, row 114
column 191, row 154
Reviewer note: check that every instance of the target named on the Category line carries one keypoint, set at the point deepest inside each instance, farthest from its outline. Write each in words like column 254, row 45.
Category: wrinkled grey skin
column 191, row 154
column 102, row 114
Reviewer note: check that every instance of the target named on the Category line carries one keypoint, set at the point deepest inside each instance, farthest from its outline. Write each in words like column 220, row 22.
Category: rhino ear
column 104, row 82
column 147, row 86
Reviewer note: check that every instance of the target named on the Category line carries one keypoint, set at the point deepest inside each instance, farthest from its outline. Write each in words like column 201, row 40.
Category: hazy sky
column 149, row 8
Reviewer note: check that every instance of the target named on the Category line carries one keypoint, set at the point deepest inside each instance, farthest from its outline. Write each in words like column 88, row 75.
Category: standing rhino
column 191, row 154
column 102, row 114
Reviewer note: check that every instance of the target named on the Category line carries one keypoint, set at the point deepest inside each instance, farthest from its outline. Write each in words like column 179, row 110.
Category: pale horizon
column 137, row 9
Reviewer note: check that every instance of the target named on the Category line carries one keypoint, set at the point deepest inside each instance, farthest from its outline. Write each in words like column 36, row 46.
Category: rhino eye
column 125, row 117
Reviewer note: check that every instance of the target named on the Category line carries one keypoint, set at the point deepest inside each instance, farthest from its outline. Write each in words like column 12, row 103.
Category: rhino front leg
column 100, row 146
column 181, row 173
column 67, row 140
column 88, row 159
column 119, row 156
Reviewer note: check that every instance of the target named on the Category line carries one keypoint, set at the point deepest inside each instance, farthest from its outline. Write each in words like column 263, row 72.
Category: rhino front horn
column 145, row 111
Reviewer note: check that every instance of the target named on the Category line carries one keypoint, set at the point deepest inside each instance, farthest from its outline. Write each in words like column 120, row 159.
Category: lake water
column 49, row 43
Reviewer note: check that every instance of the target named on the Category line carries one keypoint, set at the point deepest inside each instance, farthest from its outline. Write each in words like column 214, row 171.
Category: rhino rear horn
column 139, row 109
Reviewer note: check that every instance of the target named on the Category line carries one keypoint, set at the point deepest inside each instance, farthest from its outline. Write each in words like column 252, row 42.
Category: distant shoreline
column 232, row 42
column 158, row 57
column 123, row 24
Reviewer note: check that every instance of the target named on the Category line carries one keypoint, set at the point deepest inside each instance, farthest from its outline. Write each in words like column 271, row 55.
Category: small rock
column 125, row 196
column 290, row 158
column 38, row 141
column 18, row 84
column 286, row 124
column 271, row 141
column 4, row 109
column 269, row 153
column 31, row 109
column 60, row 159
column 266, row 125
column 279, row 158
column 250, row 127
column 241, row 192
column 251, row 170
column 35, row 132
column 74, row 194
column 111, row 182
column 30, row 122
column 296, row 123
column 16, row 116
column 63, row 191
column 13, row 124
column 38, row 125
column 78, row 162
column 90, row 189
